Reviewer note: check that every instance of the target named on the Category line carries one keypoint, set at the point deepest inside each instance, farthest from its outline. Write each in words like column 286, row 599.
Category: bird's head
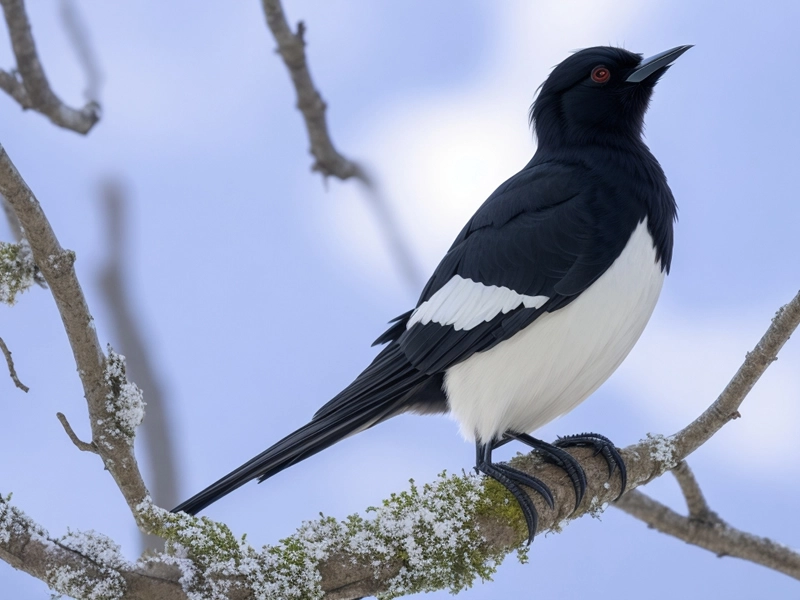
column 598, row 95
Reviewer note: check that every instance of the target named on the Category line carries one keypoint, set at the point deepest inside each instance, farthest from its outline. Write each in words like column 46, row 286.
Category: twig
column 718, row 537
column 695, row 501
column 79, row 443
column 329, row 161
column 31, row 89
column 160, row 449
column 11, row 370
column 726, row 407
column 291, row 47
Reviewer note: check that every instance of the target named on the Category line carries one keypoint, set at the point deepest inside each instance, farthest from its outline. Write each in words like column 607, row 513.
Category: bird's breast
column 555, row 363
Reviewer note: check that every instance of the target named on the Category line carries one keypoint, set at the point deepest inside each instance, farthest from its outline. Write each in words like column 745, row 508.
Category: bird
column 540, row 298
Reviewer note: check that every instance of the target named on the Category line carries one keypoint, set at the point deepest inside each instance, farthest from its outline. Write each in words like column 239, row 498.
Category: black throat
column 633, row 183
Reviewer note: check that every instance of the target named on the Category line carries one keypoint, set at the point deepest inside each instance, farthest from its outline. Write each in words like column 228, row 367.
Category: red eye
column 600, row 74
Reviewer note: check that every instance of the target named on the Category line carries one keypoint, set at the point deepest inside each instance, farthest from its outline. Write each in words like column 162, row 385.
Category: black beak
column 654, row 63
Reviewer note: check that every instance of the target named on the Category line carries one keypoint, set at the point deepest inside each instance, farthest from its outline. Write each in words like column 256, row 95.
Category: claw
column 512, row 479
column 560, row 458
column 525, row 503
column 602, row 445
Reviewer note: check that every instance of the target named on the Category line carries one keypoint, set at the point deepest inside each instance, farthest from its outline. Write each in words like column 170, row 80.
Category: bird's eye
column 601, row 74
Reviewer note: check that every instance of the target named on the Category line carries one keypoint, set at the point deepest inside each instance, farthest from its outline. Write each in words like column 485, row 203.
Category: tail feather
column 383, row 390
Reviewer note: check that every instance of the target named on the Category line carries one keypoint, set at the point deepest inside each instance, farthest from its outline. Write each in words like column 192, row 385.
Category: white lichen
column 14, row 524
column 17, row 270
column 93, row 545
column 662, row 450
column 431, row 530
column 105, row 583
column 597, row 508
column 124, row 400
column 77, row 583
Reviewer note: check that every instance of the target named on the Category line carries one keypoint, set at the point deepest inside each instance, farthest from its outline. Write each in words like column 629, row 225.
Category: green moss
column 499, row 503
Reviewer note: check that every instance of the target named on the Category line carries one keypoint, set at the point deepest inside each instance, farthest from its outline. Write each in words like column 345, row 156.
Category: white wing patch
column 465, row 304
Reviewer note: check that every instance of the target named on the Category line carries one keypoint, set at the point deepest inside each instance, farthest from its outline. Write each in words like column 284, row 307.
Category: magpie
column 540, row 298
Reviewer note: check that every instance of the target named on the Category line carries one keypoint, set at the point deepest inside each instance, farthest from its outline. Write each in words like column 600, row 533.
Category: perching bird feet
column 602, row 445
column 511, row 478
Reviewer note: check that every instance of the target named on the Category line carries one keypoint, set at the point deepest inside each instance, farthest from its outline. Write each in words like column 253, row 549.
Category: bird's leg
column 556, row 456
column 602, row 445
column 511, row 479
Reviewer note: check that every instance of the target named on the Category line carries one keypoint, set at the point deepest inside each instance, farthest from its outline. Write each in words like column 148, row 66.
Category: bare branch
column 718, row 537
column 329, row 161
column 291, row 47
column 11, row 370
column 32, row 89
column 695, row 501
column 79, row 443
column 726, row 406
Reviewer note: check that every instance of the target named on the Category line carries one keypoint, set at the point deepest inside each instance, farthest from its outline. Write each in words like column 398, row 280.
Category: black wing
column 551, row 230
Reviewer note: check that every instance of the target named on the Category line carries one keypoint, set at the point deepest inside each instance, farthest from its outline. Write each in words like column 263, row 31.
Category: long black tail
column 383, row 390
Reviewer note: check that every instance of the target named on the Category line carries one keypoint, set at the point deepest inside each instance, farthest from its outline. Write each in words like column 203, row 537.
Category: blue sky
column 260, row 288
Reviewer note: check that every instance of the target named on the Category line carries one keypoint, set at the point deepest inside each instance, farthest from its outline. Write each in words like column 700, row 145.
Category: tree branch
column 79, row 443
column 328, row 161
column 31, row 88
column 291, row 47
column 11, row 370
column 80, row 565
column 112, row 401
column 695, row 501
column 716, row 536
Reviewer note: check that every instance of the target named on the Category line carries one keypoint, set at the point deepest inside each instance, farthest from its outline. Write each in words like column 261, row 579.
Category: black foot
column 555, row 455
column 602, row 445
column 511, row 479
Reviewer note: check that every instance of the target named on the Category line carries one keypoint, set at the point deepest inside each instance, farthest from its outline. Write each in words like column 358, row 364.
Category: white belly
column 555, row 363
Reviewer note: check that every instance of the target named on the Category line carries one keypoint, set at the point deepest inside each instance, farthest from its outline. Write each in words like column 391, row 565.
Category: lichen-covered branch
column 114, row 404
column 80, row 564
column 713, row 534
column 28, row 84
